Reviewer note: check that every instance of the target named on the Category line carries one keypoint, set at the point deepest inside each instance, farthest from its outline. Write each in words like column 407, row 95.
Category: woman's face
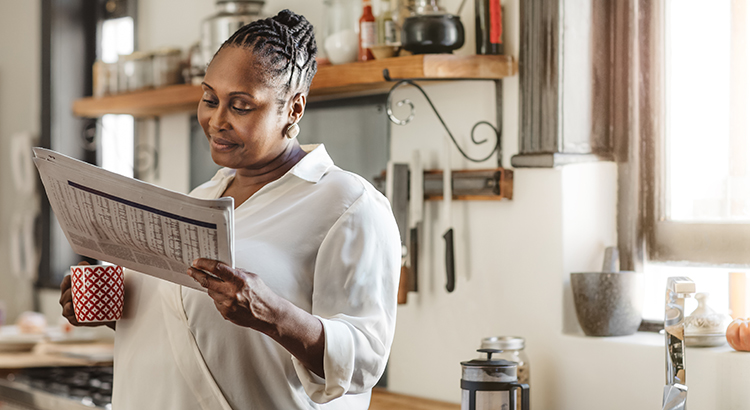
column 239, row 112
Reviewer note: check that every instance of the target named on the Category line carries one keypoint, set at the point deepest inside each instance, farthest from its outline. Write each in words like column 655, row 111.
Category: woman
column 307, row 319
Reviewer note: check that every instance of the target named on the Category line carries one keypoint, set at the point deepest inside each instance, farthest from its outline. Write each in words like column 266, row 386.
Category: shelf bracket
column 389, row 110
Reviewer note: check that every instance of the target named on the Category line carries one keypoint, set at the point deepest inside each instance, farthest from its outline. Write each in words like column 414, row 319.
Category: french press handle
column 524, row 395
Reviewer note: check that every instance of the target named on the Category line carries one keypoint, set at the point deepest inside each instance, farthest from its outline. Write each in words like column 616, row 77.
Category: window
column 117, row 131
column 696, row 111
column 702, row 193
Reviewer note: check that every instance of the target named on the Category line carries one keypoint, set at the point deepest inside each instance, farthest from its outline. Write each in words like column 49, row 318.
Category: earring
column 292, row 131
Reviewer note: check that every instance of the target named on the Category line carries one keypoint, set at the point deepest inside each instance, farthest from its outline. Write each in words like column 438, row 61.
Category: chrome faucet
column 675, row 392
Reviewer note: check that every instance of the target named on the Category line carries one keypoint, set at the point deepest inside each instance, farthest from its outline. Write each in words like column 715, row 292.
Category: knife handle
column 450, row 267
column 414, row 258
column 403, row 286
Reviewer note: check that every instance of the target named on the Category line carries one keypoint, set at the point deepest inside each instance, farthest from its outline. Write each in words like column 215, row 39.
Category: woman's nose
column 219, row 120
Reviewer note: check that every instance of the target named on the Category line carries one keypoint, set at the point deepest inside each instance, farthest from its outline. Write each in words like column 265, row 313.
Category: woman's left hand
column 240, row 296
column 243, row 299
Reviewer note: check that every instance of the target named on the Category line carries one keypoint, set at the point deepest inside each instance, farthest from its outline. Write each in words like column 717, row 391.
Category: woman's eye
column 210, row 103
column 242, row 110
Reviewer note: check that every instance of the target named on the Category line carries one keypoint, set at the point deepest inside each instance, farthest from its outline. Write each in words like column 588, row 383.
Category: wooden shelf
column 330, row 82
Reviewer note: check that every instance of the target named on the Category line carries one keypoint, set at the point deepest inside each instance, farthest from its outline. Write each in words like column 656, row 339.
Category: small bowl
column 383, row 51
column 608, row 304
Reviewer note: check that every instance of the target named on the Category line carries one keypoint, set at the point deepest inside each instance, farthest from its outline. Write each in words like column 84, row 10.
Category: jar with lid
column 167, row 66
column 135, row 71
column 341, row 31
column 104, row 78
column 705, row 327
column 512, row 350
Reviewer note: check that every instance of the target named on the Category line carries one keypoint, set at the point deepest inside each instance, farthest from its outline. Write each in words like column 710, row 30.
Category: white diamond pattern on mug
column 97, row 293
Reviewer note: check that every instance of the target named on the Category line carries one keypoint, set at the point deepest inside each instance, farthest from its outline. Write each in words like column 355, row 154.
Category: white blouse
column 324, row 239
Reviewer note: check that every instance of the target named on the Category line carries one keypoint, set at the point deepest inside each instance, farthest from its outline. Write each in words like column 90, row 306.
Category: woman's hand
column 240, row 296
column 66, row 301
column 243, row 299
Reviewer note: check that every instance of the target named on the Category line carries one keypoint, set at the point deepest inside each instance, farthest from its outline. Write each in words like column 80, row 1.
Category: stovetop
column 70, row 387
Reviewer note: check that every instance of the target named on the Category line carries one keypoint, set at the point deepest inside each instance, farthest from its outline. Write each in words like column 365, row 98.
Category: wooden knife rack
column 468, row 184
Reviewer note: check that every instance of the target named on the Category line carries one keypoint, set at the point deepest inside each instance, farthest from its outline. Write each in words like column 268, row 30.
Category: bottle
column 489, row 26
column 386, row 25
column 367, row 32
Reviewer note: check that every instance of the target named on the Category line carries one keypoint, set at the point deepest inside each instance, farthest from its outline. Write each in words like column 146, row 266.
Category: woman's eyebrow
column 232, row 93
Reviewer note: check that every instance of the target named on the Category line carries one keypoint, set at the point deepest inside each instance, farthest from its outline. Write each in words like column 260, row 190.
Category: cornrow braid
column 286, row 45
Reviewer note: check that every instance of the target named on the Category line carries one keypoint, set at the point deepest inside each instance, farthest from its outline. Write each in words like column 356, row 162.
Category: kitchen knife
column 450, row 266
column 416, row 209
column 397, row 192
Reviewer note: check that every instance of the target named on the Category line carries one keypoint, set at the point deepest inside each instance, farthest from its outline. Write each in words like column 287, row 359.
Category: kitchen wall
column 20, row 63
column 513, row 257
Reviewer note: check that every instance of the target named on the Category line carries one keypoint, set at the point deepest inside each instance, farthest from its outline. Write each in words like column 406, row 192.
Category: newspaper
column 134, row 224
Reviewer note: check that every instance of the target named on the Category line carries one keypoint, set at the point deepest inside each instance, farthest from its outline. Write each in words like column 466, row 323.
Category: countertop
column 385, row 400
column 45, row 355
column 51, row 354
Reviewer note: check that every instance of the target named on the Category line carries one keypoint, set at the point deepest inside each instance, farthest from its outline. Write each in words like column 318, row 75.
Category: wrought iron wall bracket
column 406, row 81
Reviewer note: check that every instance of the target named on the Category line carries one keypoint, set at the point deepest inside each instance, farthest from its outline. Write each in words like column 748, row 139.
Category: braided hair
column 286, row 46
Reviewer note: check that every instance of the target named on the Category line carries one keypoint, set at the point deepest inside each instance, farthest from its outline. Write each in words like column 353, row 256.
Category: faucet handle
column 681, row 284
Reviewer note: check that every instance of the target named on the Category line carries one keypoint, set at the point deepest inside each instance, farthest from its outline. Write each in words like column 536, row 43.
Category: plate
column 78, row 335
column 12, row 340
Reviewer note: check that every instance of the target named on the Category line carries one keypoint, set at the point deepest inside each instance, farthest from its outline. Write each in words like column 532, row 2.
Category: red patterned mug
column 98, row 292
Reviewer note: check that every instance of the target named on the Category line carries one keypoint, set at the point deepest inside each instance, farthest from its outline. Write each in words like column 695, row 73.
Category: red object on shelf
column 496, row 23
column 368, row 35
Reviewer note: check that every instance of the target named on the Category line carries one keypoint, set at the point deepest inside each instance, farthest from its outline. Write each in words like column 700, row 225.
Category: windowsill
column 653, row 340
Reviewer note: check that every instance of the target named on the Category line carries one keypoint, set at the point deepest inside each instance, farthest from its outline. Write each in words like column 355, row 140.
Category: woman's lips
column 220, row 144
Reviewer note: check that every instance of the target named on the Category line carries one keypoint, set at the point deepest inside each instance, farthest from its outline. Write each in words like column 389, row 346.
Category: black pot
column 432, row 33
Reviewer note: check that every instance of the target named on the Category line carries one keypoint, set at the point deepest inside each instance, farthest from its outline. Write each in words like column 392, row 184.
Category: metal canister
column 135, row 71
column 230, row 16
column 488, row 384
column 166, row 66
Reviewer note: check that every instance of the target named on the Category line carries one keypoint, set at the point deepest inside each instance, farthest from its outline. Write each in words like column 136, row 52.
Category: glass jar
column 166, row 65
column 512, row 350
column 135, row 71
column 341, row 32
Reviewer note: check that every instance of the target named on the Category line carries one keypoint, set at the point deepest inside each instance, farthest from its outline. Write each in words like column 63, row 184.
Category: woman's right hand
column 66, row 301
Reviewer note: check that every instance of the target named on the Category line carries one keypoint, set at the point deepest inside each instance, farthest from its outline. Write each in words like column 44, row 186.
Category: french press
column 491, row 384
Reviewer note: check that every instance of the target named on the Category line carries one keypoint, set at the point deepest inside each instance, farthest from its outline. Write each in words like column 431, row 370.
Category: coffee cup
column 98, row 292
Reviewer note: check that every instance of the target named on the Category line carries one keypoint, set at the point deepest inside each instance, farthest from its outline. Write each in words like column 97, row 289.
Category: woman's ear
column 297, row 108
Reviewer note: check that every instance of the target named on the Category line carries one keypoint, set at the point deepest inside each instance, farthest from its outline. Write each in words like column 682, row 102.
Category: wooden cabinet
column 330, row 82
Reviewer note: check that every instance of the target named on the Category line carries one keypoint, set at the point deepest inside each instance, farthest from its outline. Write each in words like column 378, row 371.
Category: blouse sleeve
column 354, row 296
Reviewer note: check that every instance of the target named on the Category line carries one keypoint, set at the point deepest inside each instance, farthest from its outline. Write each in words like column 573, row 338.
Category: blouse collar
column 314, row 165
